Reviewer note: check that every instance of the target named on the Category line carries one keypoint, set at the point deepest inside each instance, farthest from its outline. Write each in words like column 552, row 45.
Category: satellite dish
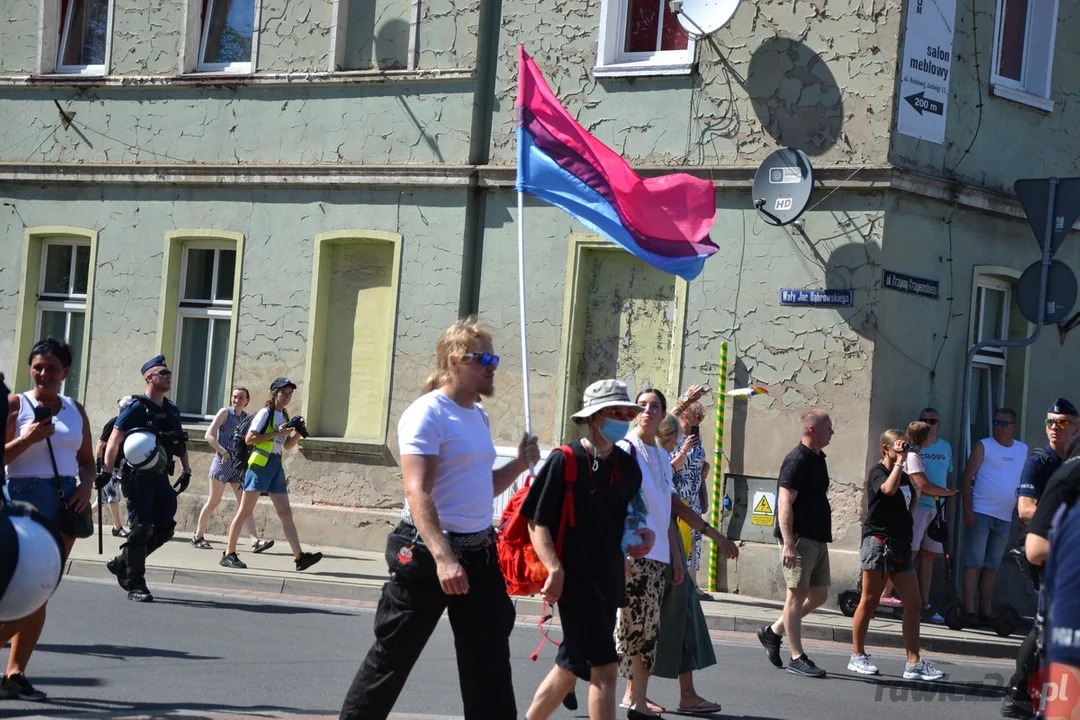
column 1060, row 292
column 703, row 17
column 782, row 186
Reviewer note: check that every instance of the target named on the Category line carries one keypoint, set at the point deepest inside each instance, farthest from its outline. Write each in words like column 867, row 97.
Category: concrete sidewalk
column 356, row 575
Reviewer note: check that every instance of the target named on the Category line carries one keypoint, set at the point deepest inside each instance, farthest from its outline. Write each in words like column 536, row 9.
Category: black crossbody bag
column 69, row 522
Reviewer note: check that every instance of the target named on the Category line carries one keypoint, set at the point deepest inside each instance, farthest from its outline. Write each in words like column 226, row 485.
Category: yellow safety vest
column 261, row 452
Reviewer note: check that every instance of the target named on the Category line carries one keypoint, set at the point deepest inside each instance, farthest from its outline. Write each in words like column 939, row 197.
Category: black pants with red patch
column 407, row 614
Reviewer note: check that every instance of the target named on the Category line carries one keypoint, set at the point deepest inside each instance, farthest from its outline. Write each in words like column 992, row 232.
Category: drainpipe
column 487, row 58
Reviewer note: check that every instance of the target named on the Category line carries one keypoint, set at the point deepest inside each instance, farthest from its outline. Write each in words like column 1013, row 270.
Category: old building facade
column 316, row 188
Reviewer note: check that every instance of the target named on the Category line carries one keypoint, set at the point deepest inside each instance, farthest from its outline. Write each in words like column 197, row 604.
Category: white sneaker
column 861, row 664
column 922, row 671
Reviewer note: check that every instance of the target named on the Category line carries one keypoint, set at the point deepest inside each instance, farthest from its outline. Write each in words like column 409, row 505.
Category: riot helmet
column 31, row 559
column 143, row 452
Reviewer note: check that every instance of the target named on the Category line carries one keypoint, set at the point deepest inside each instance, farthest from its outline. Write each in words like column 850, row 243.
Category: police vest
column 165, row 421
column 261, row 452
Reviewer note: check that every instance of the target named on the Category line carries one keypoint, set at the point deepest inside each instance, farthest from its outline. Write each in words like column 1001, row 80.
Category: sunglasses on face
column 1003, row 423
column 485, row 359
column 163, row 373
column 930, row 421
column 620, row 413
column 1059, row 424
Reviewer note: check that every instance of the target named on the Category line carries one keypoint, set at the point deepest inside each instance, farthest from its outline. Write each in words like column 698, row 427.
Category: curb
column 212, row 579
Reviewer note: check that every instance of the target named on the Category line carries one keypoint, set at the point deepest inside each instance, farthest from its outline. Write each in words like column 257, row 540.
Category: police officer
column 1061, row 429
column 151, row 500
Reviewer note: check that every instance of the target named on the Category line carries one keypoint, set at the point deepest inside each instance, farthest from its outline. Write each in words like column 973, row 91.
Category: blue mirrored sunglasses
column 1002, row 423
column 484, row 358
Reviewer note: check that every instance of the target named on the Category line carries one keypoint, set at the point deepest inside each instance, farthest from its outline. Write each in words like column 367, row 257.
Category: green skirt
column 685, row 644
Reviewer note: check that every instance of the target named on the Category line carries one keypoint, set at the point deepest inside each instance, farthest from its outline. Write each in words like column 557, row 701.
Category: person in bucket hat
column 587, row 582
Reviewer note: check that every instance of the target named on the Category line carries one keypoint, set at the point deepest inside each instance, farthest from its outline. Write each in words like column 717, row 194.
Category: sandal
column 702, row 708
column 119, row 532
column 260, row 545
column 649, row 703
column 201, row 543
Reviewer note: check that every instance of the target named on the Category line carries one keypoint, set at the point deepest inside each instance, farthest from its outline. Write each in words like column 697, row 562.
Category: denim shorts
column 268, row 478
column 985, row 543
column 40, row 492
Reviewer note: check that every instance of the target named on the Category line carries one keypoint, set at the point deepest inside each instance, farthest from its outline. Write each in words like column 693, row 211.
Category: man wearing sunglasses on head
column 442, row 555
column 1061, row 429
column 991, row 477
column 937, row 457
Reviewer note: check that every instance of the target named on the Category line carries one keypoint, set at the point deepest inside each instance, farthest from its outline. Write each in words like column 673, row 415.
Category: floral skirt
column 638, row 626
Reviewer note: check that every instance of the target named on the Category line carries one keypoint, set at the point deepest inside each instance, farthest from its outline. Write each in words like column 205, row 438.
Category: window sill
column 1024, row 98
column 345, row 446
column 218, row 79
column 642, row 69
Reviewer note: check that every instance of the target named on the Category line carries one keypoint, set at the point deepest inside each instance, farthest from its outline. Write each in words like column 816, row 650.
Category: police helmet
column 143, row 452
column 31, row 559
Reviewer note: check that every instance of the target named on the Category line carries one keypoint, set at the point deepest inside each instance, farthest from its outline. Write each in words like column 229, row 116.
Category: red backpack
column 521, row 567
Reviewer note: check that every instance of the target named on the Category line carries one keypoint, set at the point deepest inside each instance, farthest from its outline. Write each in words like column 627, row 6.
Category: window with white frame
column 84, row 36
column 1023, row 50
column 227, row 36
column 993, row 299
column 642, row 37
column 204, row 327
column 61, row 306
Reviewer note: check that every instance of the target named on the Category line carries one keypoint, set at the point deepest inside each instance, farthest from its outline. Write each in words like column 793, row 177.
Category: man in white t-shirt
column 442, row 554
column 991, row 478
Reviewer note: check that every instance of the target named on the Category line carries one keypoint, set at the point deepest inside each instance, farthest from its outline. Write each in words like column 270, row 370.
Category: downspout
column 487, row 57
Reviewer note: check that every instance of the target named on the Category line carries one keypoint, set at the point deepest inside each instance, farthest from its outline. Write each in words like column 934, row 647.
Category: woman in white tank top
column 32, row 478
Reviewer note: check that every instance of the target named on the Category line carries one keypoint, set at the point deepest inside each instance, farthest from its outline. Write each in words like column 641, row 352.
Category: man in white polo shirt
column 991, row 478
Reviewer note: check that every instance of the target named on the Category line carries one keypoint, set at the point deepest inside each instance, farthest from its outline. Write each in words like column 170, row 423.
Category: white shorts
column 919, row 522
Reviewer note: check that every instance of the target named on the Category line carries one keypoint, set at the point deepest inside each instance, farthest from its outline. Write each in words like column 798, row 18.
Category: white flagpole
column 521, row 304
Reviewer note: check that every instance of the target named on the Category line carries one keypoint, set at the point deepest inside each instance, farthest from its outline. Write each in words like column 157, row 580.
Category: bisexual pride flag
column 664, row 221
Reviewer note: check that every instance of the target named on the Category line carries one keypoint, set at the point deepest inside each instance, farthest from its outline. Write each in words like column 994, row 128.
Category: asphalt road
column 197, row 654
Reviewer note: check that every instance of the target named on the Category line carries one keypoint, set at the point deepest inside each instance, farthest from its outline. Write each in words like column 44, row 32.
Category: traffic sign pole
column 965, row 438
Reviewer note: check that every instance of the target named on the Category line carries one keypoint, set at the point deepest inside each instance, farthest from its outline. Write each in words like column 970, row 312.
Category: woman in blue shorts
column 267, row 439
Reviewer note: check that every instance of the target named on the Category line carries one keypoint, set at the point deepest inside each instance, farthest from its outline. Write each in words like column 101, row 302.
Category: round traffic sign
column 1060, row 292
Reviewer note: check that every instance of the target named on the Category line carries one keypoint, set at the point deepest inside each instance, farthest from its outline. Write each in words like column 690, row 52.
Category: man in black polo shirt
column 804, row 529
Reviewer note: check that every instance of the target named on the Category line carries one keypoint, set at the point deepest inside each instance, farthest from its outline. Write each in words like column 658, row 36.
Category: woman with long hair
column 886, row 555
column 690, row 465
column 265, row 474
column 224, row 472
column 638, row 627
column 48, row 445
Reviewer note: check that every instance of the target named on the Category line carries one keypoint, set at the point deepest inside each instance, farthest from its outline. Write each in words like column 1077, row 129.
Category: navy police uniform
column 151, row 500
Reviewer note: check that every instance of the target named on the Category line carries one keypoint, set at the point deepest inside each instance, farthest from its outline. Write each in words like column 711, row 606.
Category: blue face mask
column 614, row 430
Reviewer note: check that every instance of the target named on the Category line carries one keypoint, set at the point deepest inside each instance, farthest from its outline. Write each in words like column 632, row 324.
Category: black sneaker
column 140, row 593
column 17, row 687
column 116, row 567
column 1017, row 707
column 570, row 701
column 232, row 560
column 306, row 560
column 771, row 641
column 804, row 666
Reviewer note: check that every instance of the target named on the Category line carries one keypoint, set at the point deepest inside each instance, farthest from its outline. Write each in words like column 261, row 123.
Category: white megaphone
column 31, row 560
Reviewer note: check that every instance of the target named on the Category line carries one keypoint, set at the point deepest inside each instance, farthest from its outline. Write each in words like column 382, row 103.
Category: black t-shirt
column 106, row 432
column 1063, row 486
column 886, row 515
column 592, row 549
column 806, row 472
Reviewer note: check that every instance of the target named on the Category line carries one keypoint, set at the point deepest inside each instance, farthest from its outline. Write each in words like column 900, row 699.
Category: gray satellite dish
column 782, row 186
column 1060, row 292
column 703, row 17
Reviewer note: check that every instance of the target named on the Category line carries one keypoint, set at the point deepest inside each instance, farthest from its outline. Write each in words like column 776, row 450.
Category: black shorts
column 588, row 625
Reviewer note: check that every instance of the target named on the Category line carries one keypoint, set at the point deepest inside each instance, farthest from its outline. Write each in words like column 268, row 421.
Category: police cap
column 1062, row 406
column 152, row 363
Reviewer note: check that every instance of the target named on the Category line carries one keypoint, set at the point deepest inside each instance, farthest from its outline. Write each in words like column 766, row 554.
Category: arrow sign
column 1034, row 196
column 922, row 104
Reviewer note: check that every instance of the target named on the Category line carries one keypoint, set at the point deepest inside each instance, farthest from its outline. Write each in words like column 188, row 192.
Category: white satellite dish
column 703, row 17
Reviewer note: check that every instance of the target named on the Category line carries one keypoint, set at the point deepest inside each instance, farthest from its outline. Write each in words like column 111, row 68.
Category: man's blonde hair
column 452, row 346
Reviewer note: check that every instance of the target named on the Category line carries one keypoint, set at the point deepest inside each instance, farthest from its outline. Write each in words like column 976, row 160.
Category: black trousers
column 406, row 616
column 151, row 520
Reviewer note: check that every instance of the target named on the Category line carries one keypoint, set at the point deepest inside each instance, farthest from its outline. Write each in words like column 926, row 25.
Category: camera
column 909, row 448
column 296, row 423
column 42, row 413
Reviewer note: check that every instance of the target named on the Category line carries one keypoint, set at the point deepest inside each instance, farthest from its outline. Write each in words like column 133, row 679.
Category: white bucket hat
column 605, row 394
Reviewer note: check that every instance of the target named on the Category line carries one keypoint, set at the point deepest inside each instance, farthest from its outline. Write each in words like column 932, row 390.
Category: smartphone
column 695, row 430
column 42, row 413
